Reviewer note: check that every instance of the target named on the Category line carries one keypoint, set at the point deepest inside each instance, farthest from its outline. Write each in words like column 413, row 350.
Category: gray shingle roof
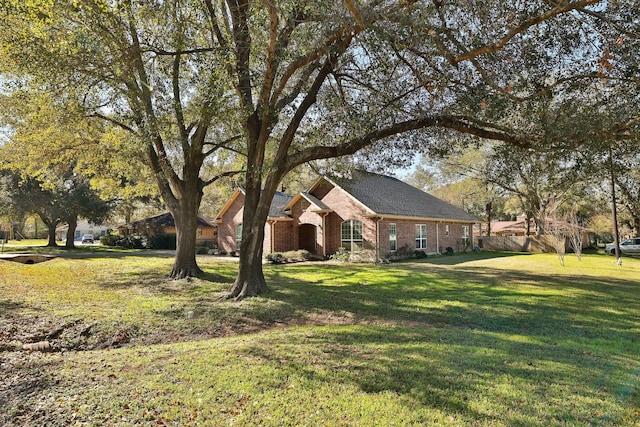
column 279, row 202
column 386, row 195
column 162, row 220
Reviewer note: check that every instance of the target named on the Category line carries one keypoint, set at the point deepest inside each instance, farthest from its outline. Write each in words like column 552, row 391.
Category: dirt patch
column 32, row 346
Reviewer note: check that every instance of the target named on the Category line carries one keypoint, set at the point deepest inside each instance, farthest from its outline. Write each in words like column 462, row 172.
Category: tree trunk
column 51, row 231
column 186, row 221
column 71, row 232
column 250, row 280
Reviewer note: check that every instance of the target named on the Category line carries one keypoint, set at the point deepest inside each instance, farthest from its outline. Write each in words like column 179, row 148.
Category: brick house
column 164, row 224
column 367, row 212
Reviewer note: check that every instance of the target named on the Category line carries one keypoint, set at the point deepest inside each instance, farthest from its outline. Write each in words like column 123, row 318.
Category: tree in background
column 54, row 202
column 81, row 201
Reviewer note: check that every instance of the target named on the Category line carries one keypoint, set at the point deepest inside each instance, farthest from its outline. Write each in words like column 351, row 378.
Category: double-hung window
column 352, row 235
column 421, row 236
column 393, row 240
column 465, row 236
column 238, row 236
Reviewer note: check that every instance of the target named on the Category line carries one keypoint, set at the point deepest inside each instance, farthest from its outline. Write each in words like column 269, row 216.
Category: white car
column 87, row 238
column 629, row 246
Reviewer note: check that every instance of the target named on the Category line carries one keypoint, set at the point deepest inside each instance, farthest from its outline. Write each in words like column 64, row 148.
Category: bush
column 402, row 252
column 365, row 255
column 202, row 250
column 109, row 240
column 420, row 254
column 276, row 258
column 448, row 250
column 162, row 241
column 341, row 255
column 125, row 242
column 290, row 256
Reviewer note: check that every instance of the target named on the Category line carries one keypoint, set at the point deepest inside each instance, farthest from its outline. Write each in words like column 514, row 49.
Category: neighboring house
column 83, row 227
column 512, row 228
column 367, row 212
column 164, row 224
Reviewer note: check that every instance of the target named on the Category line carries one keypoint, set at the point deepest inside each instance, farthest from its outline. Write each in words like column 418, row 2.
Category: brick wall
column 437, row 238
column 282, row 237
column 227, row 227
column 344, row 208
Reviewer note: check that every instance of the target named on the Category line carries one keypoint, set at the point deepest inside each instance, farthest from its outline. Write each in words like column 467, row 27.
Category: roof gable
column 276, row 210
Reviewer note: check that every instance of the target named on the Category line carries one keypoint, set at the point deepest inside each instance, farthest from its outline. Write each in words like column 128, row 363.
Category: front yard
column 471, row 339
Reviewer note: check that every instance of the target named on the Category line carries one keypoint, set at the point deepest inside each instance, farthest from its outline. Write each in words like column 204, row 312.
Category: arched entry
column 307, row 237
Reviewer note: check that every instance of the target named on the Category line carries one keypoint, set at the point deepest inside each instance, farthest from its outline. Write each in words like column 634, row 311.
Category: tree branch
column 562, row 7
column 460, row 124
column 222, row 175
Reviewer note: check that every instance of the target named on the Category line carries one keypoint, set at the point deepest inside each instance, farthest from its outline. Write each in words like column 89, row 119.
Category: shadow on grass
column 463, row 257
column 474, row 338
column 476, row 298
column 7, row 305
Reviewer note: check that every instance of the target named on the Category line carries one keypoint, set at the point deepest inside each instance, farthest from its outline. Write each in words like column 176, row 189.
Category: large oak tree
column 282, row 83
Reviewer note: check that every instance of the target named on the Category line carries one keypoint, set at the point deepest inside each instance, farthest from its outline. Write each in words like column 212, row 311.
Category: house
column 164, row 224
column 83, row 227
column 368, row 212
column 278, row 230
column 512, row 228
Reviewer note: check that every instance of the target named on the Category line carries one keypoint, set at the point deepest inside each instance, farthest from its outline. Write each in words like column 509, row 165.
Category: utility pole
column 614, row 209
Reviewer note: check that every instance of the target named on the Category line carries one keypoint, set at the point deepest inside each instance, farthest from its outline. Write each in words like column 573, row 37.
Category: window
column 238, row 235
column 198, row 233
column 352, row 235
column 446, row 230
column 421, row 236
column 304, row 204
column 393, row 242
column 465, row 235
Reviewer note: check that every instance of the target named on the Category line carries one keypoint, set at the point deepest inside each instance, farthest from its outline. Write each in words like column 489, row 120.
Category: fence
column 535, row 244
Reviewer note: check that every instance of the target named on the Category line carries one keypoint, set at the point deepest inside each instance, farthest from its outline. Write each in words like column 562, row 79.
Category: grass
column 473, row 339
column 39, row 246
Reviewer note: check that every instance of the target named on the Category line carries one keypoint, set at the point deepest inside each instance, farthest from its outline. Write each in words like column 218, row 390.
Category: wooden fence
column 534, row 244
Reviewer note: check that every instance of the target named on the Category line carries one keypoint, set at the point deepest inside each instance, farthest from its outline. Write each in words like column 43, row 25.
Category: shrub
column 290, row 256
column 403, row 252
column 366, row 255
column 126, row 242
column 448, row 250
column 162, row 241
column 222, row 252
column 202, row 250
column 109, row 240
column 341, row 255
column 132, row 242
column 276, row 258
column 420, row 254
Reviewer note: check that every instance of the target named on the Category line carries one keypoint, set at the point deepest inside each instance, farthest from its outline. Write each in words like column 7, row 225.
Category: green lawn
column 471, row 339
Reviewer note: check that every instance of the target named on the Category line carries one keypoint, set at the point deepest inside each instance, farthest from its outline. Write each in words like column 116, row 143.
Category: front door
column 307, row 237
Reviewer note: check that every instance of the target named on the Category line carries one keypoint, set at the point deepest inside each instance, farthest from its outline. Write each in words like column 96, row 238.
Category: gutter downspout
column 271, row 237
column 378, row 239
column 438, row 236
column 324, row 234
